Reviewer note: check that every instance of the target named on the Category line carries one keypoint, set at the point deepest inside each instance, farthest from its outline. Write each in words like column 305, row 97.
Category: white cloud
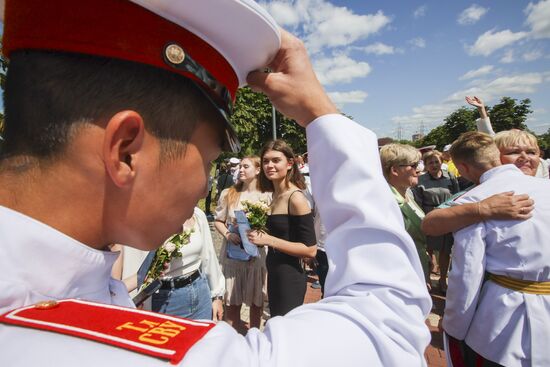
column 324, row 25
column 343, row 98
column 532, row 55
column 484, row 70
column 491, row 91
column 379, row 49
column 420, row 11
column 538, row 18
column 340, row 69
column 522, row 83
column 491, row 41
column 418, row 42
column 508, row 57
column 471, row 15
column 285, row 14
column 338, row 26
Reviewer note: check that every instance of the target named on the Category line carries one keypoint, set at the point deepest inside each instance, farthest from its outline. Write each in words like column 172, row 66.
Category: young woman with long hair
column 291, row 233
column 245, row 279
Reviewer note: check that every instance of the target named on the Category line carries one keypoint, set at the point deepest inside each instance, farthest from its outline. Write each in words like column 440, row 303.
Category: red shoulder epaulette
column 150, row 333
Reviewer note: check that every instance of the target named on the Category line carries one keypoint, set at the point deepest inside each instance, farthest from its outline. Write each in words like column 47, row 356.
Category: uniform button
column 46, row 305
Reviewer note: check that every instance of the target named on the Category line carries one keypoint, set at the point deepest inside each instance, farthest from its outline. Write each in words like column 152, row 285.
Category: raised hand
column 292, row 85
column 475, row 101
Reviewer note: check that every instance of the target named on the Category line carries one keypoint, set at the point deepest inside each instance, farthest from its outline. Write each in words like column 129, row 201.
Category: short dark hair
column 48, row 94
column 293, row 175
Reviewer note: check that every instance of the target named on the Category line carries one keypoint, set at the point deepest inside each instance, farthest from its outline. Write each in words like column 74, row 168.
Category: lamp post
column 274, row 122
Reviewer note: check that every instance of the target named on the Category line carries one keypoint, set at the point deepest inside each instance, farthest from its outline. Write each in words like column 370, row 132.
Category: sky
column 400, row 67
column 405, row 65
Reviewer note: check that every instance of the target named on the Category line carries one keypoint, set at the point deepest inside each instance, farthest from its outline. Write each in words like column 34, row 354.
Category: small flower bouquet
column 171, row 249
column 257, row 214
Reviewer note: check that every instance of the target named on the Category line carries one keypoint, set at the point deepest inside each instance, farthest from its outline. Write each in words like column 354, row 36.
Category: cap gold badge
column 46, row 305
column 174, row 53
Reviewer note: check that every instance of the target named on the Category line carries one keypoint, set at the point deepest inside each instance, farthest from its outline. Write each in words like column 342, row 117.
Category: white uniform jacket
column 376, row 301
column 39, row 263
column 504, row 326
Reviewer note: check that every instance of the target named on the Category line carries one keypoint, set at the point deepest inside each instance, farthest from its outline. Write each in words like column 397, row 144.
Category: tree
column 508, row 114
column 544, row 141
column 252, row 120
column 437, row 136
column 505, row 115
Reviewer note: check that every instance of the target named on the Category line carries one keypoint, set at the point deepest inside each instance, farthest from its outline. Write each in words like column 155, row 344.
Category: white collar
column 510, row 168
column 51, row 263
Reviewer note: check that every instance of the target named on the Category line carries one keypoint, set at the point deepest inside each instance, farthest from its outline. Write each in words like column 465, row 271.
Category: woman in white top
column 245, row 278
column 193, row 285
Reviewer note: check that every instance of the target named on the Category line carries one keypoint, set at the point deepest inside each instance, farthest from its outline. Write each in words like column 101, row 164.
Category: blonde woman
column 400, row 168
column 516, row 146
column 521, row 149
column 245, row 280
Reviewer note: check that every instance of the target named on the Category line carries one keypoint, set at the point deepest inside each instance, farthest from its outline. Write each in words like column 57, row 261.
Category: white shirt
column 505, row 326
column 375, row 299
column 199, row 253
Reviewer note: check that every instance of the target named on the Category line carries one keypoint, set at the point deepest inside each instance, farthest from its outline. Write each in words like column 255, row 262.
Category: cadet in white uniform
column 505, row 319
column 375, row 299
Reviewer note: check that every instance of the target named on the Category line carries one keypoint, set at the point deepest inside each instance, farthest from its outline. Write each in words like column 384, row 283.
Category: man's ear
column 393, row 171
column 123, row 138
column 462, row 168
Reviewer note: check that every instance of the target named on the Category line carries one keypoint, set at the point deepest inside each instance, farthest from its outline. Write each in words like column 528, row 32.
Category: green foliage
column 505, row 115
column 252, row 119
column 544, row 141
column 437, row 136
column 508, row 114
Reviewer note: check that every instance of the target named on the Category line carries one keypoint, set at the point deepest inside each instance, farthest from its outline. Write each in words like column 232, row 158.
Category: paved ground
column 434, row 353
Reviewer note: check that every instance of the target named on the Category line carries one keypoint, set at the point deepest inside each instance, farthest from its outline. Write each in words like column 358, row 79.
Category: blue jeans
column 192, row 301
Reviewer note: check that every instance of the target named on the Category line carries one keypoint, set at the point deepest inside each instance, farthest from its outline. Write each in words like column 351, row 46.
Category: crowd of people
column 496, row 235
column 195, row 284
column 110, row 134
column 441, row 205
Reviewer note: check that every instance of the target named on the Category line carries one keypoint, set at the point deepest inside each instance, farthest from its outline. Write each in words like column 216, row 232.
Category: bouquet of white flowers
column 257, row 214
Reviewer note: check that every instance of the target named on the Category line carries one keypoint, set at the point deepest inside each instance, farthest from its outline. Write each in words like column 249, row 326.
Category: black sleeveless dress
column 286, row 279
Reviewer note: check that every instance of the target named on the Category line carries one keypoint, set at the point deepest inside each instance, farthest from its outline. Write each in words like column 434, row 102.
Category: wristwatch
column 217, row 298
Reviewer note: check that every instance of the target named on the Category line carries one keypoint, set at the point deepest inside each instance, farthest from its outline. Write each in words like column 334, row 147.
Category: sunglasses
column 412, row 165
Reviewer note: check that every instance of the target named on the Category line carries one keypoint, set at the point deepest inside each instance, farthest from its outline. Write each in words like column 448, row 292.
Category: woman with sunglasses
column 399, row 165
column 291, row 233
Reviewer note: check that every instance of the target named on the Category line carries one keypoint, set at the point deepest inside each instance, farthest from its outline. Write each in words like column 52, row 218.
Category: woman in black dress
column 291, row 234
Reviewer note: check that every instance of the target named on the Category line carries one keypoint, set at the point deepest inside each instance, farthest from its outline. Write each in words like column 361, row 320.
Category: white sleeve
column 465, row 280
column 484, row 126
column 209, row 261
column 376, row 300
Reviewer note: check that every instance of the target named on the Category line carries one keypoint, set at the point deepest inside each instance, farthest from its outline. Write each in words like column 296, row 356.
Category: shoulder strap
column 289, row 197
column 154, row 334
